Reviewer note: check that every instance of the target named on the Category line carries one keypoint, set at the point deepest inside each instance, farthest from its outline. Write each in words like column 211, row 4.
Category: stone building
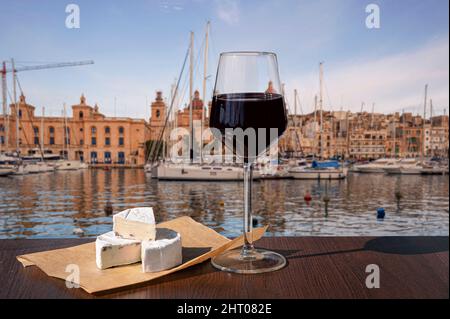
column 86, row 135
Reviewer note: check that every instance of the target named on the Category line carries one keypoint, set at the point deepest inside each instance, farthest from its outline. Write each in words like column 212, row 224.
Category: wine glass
column 249, row 115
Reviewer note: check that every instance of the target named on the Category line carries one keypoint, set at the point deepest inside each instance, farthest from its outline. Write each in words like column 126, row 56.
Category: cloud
column 393, row 82
column 228, row 11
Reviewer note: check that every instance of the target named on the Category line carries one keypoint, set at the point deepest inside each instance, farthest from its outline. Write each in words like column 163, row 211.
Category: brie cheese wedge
column 111, row 251
column 136, row 223
column 163, row 253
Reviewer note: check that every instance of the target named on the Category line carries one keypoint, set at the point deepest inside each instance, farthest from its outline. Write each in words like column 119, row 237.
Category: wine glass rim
column 248, row 53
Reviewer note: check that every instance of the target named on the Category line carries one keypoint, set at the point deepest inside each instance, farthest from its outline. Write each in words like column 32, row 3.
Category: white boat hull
column 6, row 170
column 319, row 173
column 371, row 170
column 33, row 168
column 200, row 173
column 70, row 165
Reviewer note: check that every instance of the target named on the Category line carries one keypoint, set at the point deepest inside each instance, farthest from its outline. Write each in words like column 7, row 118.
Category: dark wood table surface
column 318, row 267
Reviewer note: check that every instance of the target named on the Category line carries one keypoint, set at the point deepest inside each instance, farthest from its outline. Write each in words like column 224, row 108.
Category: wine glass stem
column 248, row 249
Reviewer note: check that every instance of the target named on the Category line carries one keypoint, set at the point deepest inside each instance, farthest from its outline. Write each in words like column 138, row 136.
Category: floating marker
column 307, row 197
column 108, row 209
column 381, row 213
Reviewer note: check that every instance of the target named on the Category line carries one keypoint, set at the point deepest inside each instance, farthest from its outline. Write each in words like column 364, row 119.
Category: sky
column 138, row 47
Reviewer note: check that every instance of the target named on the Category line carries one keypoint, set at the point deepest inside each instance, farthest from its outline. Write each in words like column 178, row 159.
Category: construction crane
column 14, row 70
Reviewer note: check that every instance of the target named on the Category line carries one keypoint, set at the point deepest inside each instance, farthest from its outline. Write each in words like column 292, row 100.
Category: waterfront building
column 86, row 135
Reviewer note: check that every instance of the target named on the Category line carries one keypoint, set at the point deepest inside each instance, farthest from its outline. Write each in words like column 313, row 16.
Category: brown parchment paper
column 199, row 244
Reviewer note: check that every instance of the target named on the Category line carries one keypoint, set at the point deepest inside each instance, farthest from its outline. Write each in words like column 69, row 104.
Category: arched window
column 80, row 115
column 36, row 130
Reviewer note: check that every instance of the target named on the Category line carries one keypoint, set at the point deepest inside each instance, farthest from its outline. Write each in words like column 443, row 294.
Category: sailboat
column 414, row 167
column 65, row 164
column 167, row 170
column 7, row 165
column 320, row 170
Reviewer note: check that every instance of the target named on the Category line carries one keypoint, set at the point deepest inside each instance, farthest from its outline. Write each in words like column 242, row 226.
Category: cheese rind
column 111, row 251
column 136, row 223
column 163, row 253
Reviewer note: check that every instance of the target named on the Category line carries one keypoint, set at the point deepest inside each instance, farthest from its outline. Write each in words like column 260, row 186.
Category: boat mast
column 42, row 130
column 321, row 108
column 371, row 116
column 395, row 136
column 191, row 87
column 422, row 149
column 205, row 75
column 5, row 107
column 66, row 137
column 15, row 106
column 315, row 127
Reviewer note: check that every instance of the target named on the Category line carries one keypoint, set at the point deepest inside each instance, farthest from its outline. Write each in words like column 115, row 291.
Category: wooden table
column 319, row 267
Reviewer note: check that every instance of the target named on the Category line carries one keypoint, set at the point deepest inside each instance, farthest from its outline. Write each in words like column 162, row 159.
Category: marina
column 75, row 204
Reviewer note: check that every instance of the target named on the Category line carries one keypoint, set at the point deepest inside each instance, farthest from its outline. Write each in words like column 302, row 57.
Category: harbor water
column 72, row 204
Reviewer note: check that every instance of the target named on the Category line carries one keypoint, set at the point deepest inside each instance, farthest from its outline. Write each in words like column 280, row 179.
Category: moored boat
column 320, row 170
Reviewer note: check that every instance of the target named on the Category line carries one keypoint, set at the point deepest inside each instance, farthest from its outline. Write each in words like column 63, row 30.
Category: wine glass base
column 261, row 261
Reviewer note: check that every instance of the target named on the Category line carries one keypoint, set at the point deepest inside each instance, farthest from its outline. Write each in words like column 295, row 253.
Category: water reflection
column 54, row 204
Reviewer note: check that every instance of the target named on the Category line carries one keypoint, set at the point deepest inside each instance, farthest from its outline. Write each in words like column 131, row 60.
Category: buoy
column 78, row 231
column 108, row 209
column 307, row 197
column 381, row 213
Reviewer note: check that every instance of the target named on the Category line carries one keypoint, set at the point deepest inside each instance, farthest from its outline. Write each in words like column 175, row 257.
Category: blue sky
column 138, row 48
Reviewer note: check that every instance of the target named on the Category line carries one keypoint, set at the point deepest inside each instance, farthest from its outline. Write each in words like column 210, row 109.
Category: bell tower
column 158, row 117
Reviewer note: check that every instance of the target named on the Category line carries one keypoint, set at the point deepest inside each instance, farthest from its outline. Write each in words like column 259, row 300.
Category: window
column 93, row 130
column 108, row 157
column 36, row 140
column 20, row 113
column 121, row 157
column 81, row 142
column 94, row 157
column 52, row 140
column 107, row 130
column 121, row 143
column 51, row 130
column 93, row 141
column 158, row 113
column 107, row 141
column 2, row 140
column 2, row 128
column 80, row 115
column 121, row 130
column 36, row 130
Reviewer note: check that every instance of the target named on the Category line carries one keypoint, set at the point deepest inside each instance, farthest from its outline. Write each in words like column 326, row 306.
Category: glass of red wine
column 248, row 114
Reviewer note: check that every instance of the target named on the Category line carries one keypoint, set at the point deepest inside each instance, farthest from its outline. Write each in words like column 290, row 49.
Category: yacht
column 407, row 166
column 377, row 166
column 201, row 172
column 319, row 170
column 67, row 165
column 33, row 168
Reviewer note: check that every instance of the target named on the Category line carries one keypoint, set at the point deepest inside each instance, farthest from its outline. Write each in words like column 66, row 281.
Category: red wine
column 258, row 111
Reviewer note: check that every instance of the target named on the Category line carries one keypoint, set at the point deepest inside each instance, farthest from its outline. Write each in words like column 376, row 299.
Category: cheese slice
column 135, row 223
column 111, row 251
column 163, row 253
